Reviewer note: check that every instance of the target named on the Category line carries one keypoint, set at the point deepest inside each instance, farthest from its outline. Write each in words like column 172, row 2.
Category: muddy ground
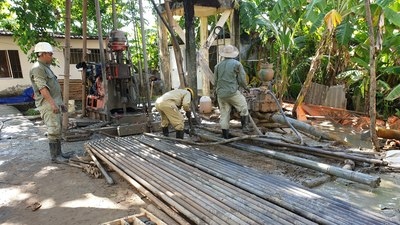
column 35, row 191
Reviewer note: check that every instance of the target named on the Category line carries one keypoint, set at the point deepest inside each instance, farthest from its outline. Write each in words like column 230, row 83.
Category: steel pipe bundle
column 370, row 180
column 313, row 206
column 202, row 198
column 339, row 154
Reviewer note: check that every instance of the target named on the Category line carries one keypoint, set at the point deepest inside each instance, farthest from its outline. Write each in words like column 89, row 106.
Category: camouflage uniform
column 42, row 76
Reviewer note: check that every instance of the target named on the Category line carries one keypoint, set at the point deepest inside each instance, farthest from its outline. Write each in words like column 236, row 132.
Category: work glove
column 188, row 114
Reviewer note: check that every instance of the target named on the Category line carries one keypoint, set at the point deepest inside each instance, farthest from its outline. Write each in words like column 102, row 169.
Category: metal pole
column 140, row 187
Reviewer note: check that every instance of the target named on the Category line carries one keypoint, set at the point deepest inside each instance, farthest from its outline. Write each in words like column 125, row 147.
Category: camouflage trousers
column 52, row 121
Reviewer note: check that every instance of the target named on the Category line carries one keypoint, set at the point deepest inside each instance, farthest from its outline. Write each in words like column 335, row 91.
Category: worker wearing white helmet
column 169, row 104
column 48, row 97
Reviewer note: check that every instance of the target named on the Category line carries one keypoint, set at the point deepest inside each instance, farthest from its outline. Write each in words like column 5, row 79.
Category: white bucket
column 205, row 104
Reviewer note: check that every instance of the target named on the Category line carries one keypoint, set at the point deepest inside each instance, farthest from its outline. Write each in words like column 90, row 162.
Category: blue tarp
column 25, row 97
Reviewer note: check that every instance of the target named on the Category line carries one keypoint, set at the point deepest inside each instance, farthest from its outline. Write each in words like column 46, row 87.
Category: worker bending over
column 169, row 104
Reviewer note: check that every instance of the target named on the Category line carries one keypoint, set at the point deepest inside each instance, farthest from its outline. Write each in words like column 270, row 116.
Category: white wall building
column 14, row 64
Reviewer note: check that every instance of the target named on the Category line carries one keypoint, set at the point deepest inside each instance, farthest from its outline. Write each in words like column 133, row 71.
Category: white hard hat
column 43, row 47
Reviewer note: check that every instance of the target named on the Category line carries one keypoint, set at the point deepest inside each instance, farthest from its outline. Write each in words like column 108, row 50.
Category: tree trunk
column 175, row 44
column 372, row 71
column 190, row 47
column 307, row 128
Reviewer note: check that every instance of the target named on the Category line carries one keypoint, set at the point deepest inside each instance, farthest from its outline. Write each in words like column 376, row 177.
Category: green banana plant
column 279, row 24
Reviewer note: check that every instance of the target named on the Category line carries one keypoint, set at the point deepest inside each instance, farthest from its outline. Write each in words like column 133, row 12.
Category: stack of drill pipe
column 370, row 180
column 311, row 205
column 199, row 196
column 337, row 153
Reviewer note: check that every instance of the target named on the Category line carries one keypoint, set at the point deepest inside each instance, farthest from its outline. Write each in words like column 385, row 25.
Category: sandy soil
column 65, row 194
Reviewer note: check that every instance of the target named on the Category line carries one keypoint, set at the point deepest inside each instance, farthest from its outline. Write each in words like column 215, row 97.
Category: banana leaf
column 394, row 94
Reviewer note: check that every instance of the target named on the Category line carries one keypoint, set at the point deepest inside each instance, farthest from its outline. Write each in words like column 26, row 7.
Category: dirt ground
column 66, row 195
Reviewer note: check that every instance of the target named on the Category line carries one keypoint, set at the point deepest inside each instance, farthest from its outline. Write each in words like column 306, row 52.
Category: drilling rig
column 115, row 99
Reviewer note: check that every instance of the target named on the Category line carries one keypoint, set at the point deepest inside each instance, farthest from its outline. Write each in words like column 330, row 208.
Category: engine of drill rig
column 116, row 96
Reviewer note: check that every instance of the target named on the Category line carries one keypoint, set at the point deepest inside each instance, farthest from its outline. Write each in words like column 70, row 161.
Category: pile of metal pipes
column 304, row 202
column 207, row 189
column 200, row 197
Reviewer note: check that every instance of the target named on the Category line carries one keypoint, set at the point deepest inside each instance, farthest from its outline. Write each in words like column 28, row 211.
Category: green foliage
column 344, row 32
column 31, row 112
column 35, row 21
column 39, row 20
column 393, row 94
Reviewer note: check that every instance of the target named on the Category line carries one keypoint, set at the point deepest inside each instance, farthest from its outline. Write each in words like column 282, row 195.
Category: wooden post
column 84, row 54
column 164, row 56
column 203, row 38
column 177, row 49
column 66, row 62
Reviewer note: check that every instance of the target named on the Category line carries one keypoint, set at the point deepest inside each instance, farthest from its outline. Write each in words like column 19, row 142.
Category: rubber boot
column 244, row 120
column 179, row 134
column 66, row 155
column 165, row 131
column 55, row 157
column 225, row 134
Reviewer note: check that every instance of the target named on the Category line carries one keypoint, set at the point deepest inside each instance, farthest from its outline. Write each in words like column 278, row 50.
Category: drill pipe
column 98, row 148
column 225, row 173
column 372, row 181
column 168, row 171
column 139, row 187
column 182, row 177
column 177, row 192
column 251, row 185
column 299, row 207
column 189, row 173
column 210, row 189
column 312, row 150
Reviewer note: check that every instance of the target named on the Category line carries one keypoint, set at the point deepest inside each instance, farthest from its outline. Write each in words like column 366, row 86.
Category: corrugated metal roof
column 56, row 35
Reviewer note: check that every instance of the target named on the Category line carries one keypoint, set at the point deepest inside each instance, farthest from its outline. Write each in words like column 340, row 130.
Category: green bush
column 31, row 112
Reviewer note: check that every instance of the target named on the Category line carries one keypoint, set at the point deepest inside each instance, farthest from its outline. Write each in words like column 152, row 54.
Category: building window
column 10, row 66
column 93, row 55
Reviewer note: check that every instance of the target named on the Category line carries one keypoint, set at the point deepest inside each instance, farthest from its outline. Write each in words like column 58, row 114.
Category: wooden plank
column 75, row 88
column 137, row 219
column 301, row 115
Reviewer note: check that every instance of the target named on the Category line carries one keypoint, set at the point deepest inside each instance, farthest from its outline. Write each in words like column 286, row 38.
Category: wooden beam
column 204, row 52
column 199, row 11
column 178, row 29
column 224, row 17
